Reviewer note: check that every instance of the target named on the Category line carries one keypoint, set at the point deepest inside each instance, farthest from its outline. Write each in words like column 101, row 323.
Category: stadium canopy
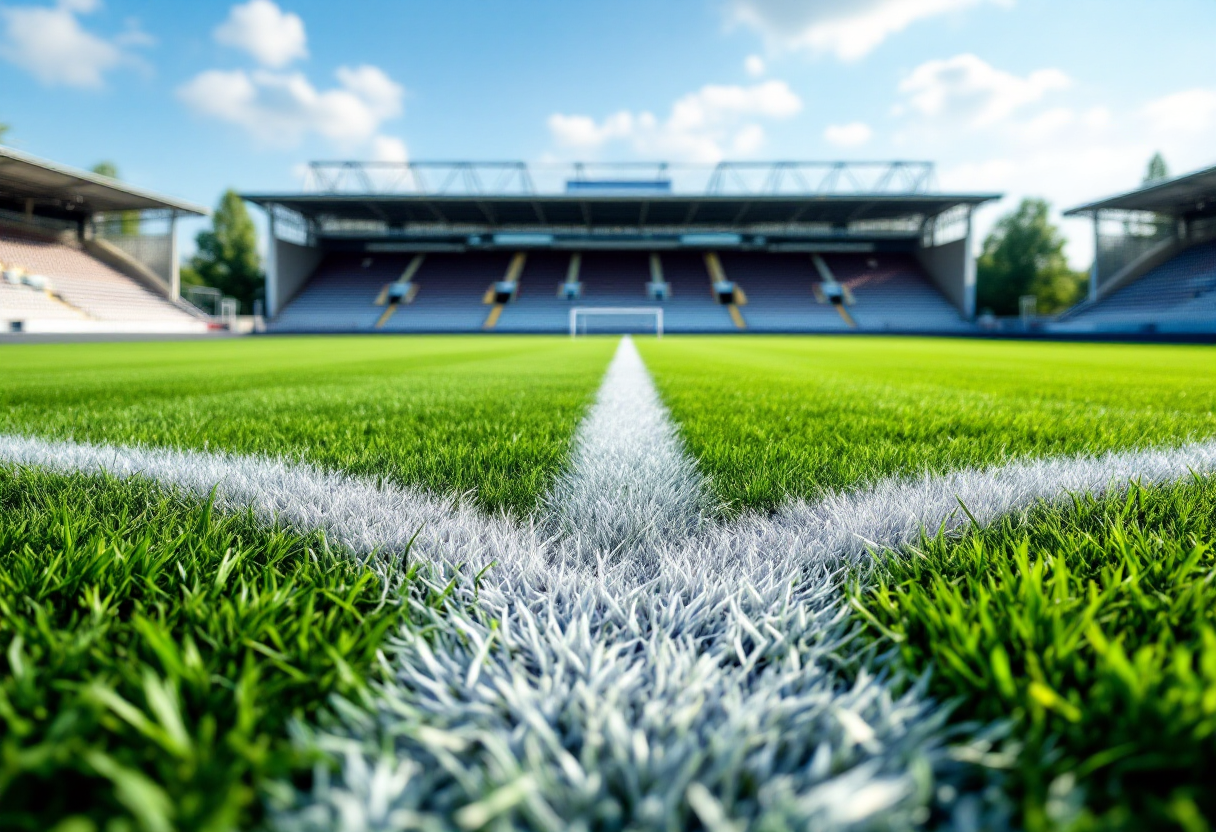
column 1142, row 228
column 37, row 186
column 497, row 196
column 639, row 212
column 1193, row 194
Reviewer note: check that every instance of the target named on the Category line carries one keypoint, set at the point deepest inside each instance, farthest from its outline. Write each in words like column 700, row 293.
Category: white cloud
column 583, row 133
column 747, row 140
column 848, row 29
column 853, row 134
column 388, row 149
column 1072, row 156
column 1188, row 112
column 753, row 65
column 51, row 44
column 281, row 108
column 967, row 89
column 1048, row 124
column 702, row 126
column 273, row 37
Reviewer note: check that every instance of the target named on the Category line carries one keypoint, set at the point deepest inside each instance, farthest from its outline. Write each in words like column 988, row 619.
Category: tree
column 4, row 128
column 1024, row 255
column 1157, row 170
column 128, row 221
column 227, row 257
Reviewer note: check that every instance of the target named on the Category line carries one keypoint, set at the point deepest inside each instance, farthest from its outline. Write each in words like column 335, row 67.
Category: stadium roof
column 640, row 196
column 641, row 211
column 61, row 191
column 1188, row 194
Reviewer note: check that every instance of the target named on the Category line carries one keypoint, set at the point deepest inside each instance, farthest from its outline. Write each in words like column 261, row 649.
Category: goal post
column 614, row 318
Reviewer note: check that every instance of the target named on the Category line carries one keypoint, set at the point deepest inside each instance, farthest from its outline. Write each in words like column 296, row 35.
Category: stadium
column 597, row 495
column 781, row 247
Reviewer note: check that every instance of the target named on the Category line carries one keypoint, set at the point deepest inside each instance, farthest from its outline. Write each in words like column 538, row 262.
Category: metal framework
column 514, row 178
column 431, row 178
column 820, row 178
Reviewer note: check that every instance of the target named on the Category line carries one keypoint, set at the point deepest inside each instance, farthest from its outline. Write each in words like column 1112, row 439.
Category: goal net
column 591, row 320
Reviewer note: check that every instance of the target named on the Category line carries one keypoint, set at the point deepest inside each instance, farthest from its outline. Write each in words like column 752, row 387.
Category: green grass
column 452, row 414
column 773, row 417
column 152, row 654
column 1093, row 630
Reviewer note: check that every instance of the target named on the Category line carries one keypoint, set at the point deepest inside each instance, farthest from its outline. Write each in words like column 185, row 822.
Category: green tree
column 227, row 257
column 1157, row 169
column 4, row 128
column 1024, row 255
column 128, row 221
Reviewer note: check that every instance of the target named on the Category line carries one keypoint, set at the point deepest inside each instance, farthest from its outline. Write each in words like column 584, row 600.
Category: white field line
column 364, row 517
column 566, row 692
column 630, row 485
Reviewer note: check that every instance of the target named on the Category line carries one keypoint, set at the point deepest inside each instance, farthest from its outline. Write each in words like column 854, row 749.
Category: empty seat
column 95, row 289
column 1179, row 291
column 891, row 292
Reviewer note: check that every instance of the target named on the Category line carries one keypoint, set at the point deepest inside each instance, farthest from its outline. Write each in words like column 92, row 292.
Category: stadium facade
column 465, row 246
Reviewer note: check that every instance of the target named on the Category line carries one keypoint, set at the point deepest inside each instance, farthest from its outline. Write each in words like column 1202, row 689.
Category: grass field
column 1093, row 630
column 155, row 653
column 452, row 414
column 783, row 416
column 165, row 664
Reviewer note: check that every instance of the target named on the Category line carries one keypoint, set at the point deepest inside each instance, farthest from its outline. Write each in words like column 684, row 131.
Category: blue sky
column 1064, row 99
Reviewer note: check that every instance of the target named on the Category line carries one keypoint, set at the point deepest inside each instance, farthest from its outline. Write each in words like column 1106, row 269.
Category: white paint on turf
column 363, row 517
column 630, row 485
column 641, row 693
column 567, row 690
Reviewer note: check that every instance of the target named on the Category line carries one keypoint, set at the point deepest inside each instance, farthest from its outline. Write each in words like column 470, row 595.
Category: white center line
column 630, row 485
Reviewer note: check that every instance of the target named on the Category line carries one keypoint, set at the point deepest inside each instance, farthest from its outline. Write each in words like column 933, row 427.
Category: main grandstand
column 767, row 247
column 82, row 253
column 1154, row 267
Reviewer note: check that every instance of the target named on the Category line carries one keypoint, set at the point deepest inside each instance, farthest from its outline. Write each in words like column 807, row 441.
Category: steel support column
column 272, row 275
column 175, row 267
column 1093, row 269
column 969, row 273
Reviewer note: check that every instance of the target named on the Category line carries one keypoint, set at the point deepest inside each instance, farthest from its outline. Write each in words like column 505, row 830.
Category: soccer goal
column 587, row 320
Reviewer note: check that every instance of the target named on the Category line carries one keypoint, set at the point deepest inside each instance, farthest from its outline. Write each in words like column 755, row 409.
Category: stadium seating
column 84, row 288
column 1180, row 293
column 341, row 294
column 692, row 306
column 779, row 297
column 891, row 292
column 20, row 302
column 537, row 306
column 450, row 292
